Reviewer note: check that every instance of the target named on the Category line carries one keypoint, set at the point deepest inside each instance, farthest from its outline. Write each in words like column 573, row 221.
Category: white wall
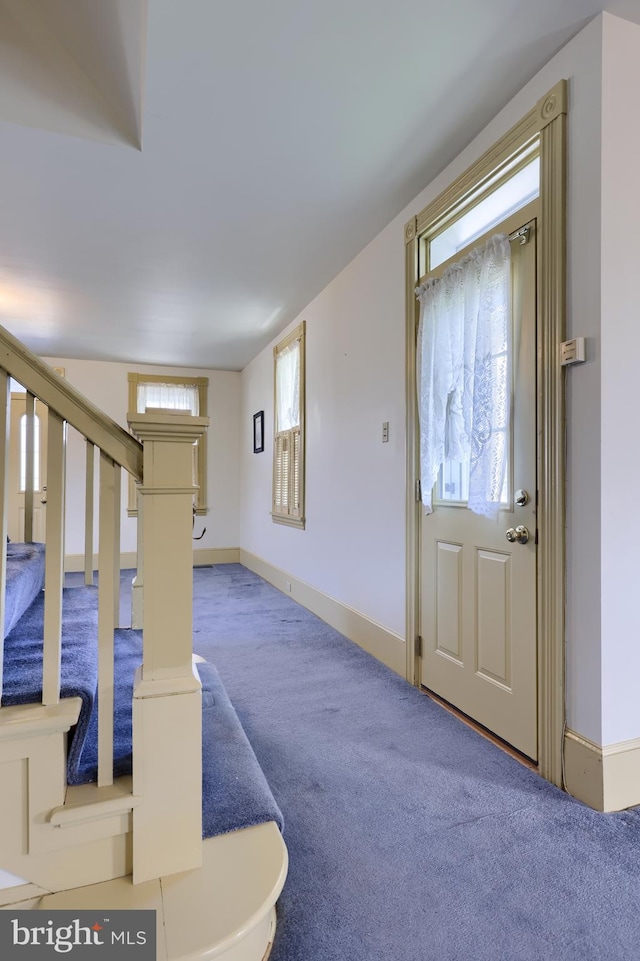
column 353, row 545
column 353, row 548
column 620, row 353
column 106, row 385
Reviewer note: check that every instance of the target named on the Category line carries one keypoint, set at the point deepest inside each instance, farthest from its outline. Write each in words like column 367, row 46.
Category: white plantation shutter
column 295, row 473
column 288, row 447
column 281, row 474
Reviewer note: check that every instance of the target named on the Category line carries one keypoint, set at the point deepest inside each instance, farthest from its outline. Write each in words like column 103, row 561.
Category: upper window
column 187, row 394
column 288, row 444
column 23, row 453
column 513, row 191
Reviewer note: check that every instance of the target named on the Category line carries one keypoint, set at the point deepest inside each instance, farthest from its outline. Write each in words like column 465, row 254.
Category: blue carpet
column 410, row 837
column 234, row 789
column 25, row 580
column 235, row 792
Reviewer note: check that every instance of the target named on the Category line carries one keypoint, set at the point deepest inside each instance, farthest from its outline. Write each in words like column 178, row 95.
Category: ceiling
column 180, row 179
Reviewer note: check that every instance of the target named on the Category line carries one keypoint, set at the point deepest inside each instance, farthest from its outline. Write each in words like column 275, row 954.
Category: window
column 288, row 443
column 23, row 453
column 174, row 393
column 510, row 195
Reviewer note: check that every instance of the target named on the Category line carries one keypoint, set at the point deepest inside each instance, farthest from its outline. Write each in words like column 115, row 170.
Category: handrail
column 42, row 381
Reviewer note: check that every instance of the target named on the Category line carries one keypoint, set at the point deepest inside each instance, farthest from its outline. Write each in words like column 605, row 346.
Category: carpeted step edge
column 235, row 792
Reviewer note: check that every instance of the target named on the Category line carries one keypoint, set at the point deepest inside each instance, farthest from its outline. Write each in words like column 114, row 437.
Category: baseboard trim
column 202, row 556
column 606, row 778
column 215, row 555
column 377, row 640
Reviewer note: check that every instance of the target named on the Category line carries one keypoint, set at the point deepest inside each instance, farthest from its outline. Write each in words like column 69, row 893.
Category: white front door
column 17, row 470
column 478, row 588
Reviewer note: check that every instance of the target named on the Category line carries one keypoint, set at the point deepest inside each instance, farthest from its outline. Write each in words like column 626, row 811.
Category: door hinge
column 418, row 491
column 418, row 645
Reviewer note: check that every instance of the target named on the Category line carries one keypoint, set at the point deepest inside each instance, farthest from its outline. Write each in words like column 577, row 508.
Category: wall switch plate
column 573, row 352
column 385, row 432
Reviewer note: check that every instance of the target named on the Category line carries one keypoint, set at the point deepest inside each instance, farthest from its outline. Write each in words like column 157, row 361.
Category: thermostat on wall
column 572, row 352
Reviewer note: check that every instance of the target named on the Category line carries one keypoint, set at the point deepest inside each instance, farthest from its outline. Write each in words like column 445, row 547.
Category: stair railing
column 167, row 775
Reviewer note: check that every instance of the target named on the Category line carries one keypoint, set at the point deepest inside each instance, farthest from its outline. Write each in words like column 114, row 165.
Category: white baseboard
column 606, row 778
column 372, row 637
column 128, row 559
column 215, row 555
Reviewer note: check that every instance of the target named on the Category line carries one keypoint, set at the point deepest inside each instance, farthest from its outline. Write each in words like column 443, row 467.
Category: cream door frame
column 545, row 125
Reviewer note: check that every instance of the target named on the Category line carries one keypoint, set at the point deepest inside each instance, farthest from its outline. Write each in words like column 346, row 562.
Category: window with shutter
column 187, row 394
column 288, row 445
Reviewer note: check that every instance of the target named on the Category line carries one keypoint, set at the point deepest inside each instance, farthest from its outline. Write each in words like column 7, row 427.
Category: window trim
column 202, row 383
column 298, row 520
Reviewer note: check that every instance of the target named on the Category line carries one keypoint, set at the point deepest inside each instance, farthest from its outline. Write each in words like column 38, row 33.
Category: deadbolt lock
column 521, row 498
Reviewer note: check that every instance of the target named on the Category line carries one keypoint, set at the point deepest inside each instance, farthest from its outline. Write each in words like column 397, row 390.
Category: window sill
column 298, row 522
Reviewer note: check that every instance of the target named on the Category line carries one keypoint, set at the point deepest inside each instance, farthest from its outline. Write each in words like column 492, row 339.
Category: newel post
column 167, row 713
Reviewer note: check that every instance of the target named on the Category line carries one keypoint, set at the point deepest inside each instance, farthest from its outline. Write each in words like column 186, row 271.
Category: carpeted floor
column 410, row 837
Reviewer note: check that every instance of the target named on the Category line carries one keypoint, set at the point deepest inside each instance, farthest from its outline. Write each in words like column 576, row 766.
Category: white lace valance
column 463, row 372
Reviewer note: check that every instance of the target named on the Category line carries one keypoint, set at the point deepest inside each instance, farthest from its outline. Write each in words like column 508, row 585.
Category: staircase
column 127, row 780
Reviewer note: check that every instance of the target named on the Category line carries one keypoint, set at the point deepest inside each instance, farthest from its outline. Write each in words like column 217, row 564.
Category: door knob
column 43, row 500
column 519, row 534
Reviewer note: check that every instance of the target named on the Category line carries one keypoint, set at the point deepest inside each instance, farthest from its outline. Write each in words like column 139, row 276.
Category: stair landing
column 224, row 910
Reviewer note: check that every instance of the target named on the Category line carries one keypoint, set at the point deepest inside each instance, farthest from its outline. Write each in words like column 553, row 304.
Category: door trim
column 544, row 125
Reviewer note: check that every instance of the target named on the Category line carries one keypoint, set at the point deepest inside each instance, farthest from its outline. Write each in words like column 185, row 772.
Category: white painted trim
column 15, row 894
column 202, row 556
column 215, row 555
column 377, row 640
column 70, row 404
column 241, row 877
column 606, row 778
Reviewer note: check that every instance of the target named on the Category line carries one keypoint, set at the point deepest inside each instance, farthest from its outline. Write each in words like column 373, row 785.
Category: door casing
column 544, row 128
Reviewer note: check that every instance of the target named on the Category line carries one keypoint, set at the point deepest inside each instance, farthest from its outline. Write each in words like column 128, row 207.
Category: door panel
column 478, row 590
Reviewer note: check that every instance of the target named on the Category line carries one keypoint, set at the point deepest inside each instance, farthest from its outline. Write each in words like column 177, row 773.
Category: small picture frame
column 258, row 432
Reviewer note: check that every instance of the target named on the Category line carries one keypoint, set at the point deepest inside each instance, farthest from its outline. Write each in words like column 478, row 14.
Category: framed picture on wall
column 258, row 432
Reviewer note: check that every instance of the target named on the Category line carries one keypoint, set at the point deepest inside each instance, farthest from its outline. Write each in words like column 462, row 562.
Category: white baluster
column 88, row 515
column 29, row 462
column 106, row 588
column 54, row 559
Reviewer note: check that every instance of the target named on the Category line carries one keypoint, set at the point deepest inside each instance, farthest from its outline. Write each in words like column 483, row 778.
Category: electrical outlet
column 385, row 432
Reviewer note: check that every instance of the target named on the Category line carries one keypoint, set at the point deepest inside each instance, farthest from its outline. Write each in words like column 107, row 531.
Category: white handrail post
column 167, row 708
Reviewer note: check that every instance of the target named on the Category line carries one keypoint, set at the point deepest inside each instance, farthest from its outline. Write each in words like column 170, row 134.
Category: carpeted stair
column 235, row 791
column 25, row 580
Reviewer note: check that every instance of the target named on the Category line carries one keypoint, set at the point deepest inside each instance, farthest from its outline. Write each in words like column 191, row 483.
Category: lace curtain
column 288, row 387
column 169, row 397
column 463, row 373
